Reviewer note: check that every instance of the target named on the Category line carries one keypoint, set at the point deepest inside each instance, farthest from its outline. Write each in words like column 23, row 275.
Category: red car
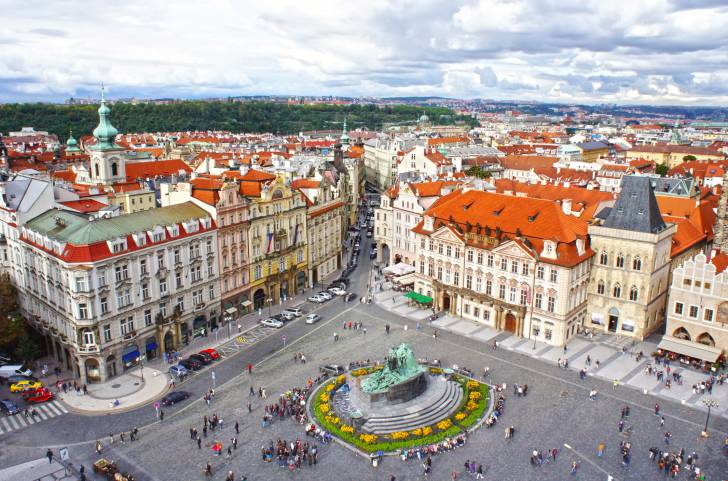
column 211, row 353
column 39, row 395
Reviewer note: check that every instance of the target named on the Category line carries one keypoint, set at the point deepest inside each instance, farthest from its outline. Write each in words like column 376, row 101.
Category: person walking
column 574, row 467
column 199, row 442
column 49, row 455
column 657, row 409
column 600, row 449
column 230, row 476
column 250, row 368
column 237, row 426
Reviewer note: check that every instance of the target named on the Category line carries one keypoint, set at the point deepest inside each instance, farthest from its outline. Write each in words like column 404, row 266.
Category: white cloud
column 655, row 51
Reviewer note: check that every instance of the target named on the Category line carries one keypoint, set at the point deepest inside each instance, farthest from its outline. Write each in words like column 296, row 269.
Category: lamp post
column 709, row 403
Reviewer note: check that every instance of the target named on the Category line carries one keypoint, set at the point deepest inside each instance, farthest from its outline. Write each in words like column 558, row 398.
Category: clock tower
column 107, row 165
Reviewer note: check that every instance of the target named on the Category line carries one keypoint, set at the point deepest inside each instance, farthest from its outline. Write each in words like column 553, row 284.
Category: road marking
column 42, row 412
column 52, row 408
column 31, row 420
column 60, row 406
column 585, row 458
column 6, row 424
column 242, row 340
column 14, row 422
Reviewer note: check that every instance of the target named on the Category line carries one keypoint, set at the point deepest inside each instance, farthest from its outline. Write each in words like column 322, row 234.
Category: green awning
column 419, row 298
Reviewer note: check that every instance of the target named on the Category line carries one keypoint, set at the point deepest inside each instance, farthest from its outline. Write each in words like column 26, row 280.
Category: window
column 547, row 333
column 210, row 269
column 83, row 311
column 177, row 257
column 196, row 273
column 163, row 287
column 197, row 297
column 121, row 273
column 148, row 317
column 633, row 293
column 490, row 260
column 160, row 260
column 540, row 272
column 447, row 276
column 687, row 282
column 637, row 264
column 551, row 304
column 470, row 256
column 489, row 287
column 479, row 284
column 554, row 275
column 107, row 333
column 502, row 291
column 158, row 236
column 88, row 338
column 422, row 243
column 430, row 269
column 538, row 300
column 600, row 287
column 439, row 248
column 480, row 258
column 81, row 285
column 430, row 245
column 439, row 273
column 476, row 311
column 104, row 305
column 456, row 278
column 127, row 325
column 101, row 278
column 281, row 264
column 514, row 267
column 693, row 312
column 512, row 297
column 679, row 306
column 145, row 291
column 449, row 251
column 211, row 291
column 163, row 309
column 603, row 258
column 300, row 256
column 123, row 298
column 504, row 264
column 525, row 269
column 467, row 308
column 194, row 251
column 422, row 267
column 706, row 285
column 620, row 260
column 523, row 297
column 181, row 303
column 468, row 281
column 178, row 280
column 617, row 291
column 457, row 253
column 143, row 266
column 258, row 272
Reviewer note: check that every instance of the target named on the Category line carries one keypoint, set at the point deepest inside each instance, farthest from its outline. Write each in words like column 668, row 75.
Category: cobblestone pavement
column 557, row 411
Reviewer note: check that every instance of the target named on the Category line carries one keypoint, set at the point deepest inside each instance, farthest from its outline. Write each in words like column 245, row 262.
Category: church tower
column 107, row 164
column 720, row 241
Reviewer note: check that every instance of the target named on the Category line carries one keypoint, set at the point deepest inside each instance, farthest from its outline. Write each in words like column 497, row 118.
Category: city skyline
column 657, row 52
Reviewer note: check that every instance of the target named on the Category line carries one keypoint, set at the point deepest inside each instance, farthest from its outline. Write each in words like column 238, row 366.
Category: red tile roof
column 85, row 206
column 527, row 162
column 151, row 169
column 720, row 261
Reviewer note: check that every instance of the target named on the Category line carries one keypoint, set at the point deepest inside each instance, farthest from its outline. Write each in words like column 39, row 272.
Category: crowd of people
column 293, row 455
column 669, row 463
column 500, row 405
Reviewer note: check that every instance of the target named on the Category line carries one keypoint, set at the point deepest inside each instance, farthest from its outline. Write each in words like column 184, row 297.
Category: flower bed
column 472, row 408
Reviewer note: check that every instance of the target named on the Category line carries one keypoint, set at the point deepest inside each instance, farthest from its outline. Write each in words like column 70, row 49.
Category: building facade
column 108, row 293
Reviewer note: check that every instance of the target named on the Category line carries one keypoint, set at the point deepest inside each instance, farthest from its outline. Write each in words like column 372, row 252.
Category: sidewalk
column 614, row 364
column 38, row 470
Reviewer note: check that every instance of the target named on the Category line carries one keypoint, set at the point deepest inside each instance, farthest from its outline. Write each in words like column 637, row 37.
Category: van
column 14, row 369
column 296, row 311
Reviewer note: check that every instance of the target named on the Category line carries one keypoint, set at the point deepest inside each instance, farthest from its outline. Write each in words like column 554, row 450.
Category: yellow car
column 25, row 386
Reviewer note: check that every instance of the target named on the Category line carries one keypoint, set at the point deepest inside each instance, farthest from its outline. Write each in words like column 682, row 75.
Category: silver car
column 272, row 323
column 312, row 318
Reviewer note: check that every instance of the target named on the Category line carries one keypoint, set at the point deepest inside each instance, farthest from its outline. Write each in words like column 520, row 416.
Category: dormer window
column 429, row 223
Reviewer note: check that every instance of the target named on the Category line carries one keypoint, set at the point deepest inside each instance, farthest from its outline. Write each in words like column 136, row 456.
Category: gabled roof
column 636, row 208
column 85, row 206
column 143, row 170
column 257, row 176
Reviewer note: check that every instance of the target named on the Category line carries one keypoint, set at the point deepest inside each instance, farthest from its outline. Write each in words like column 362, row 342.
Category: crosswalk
column 45, row 411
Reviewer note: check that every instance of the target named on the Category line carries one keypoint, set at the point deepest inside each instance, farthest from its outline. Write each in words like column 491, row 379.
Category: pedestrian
column 199, row 442
column 573, row 467
column 237, row 426
column 479, row 472
column 554, row 453
column 230, row 476
column 49, row 455
column 662, row 421
column 668, row 435
column 615, row 383
column 454, row 475
column 250, row 370
column 262, row 393
column 386, row 328
column 161, row 416
column 600, row 449
column 621, row 426
column 250, row 408
column 208, row 469
column 234, row 440
column 121, row 437
column 657, row 409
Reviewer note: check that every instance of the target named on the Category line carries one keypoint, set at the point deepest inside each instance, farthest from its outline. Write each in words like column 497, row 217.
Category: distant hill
column 220, row 115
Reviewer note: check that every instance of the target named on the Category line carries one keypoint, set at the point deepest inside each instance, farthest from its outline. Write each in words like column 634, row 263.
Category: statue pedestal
column 399, row 393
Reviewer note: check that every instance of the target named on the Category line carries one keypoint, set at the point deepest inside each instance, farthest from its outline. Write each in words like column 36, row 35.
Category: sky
column 572, row 51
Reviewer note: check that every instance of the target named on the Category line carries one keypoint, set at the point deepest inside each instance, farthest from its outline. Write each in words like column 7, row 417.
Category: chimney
column 244, row 169
column 566, row 206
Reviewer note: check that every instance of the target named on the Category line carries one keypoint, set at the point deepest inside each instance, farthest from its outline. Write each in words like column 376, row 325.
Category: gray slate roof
column 636, row 208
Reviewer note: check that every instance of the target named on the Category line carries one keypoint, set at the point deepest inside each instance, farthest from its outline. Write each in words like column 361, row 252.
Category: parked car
column 312, row 318
column 200, row 358
column 325, row 295
column 369, row 233
column 13, row 369
column 178, row 371
column 285, row 316
column 19, row 377
column 174, row 397
column 344, row 280
column 373, row 255
column 39, row 395
column 25, row 385
column 349, row 297
column 212, row 352
column 356, row 246
column 317, row 299
column 191, row 364
column 296, row 311
column 337, row 291
column 9, row 407
column 207, row 357
column 272, row 323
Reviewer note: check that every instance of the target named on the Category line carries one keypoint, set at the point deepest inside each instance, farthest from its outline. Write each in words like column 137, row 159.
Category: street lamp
column 709, row 403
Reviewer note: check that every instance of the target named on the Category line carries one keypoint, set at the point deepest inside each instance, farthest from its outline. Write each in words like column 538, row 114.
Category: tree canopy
column 217, row 115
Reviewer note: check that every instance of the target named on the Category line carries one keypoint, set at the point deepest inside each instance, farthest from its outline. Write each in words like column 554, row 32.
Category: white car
column 317, row 299
column 337, row 291
column 325, row 295
column 293, row 310
column 312, row 318
column 272, row 323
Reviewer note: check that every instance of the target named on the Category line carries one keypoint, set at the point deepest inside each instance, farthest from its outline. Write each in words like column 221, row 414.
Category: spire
column 344, row 136
column 105, row 133
column 71, row 143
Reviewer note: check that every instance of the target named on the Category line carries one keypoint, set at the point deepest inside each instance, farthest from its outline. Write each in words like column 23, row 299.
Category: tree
column 13, row 329
column 8, row 295
column 477, row 171
column 662, row 169
column 27, row 350
column 689, row 158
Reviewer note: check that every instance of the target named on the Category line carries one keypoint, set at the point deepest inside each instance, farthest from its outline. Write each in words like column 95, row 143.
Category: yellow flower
column 427, row 430
column 471, row 406
column 473, row 384
column 400, row 435
column 324, row 408
column 416, row 432
column 368, row 438
column 340, row 379
column 330, row 387
column 435, row 370
column 460, row 416
column 332, row 419
column 475, row 395
column 346, row 429
column 443, row 425
column 324, row 397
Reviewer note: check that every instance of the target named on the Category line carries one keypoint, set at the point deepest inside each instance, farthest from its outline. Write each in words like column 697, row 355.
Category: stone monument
column 401, row 379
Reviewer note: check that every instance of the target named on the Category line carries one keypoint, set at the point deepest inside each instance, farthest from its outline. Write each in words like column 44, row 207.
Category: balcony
column 200, row 306
column 88, row 349
column 130, row 335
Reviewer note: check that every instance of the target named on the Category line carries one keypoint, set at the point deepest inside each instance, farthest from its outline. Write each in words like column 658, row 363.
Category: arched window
column 633, row 293
column 114, row 169
column 637, row 264
column 96, row 169
column 620, row 260
column 600, row 287
column 617, row 291
column 604, row 258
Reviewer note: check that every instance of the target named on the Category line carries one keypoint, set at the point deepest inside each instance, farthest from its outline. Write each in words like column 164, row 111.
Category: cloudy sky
column 623, row 51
